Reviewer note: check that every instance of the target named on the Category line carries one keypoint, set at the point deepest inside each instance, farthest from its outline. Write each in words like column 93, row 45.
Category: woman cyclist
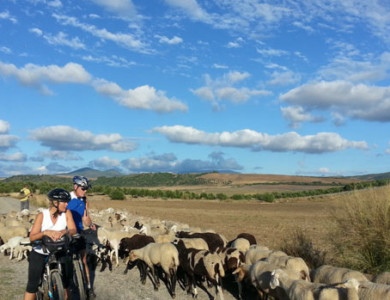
column 53, row 222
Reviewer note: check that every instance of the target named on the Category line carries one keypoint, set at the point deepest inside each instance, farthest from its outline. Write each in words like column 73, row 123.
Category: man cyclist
column 79, row 208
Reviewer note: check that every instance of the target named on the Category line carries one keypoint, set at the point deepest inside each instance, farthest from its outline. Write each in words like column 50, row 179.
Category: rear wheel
column 57, row 288
column 78, row 280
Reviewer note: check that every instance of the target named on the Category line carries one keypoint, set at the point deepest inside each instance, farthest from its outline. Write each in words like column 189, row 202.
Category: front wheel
column 57, row 288
column 79, row 280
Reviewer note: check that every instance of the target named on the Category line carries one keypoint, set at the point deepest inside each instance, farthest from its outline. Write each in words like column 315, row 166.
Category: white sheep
column 331, row 274
column 196, row 243
column 159, row 254
column 383, row 278
column 373, row 291
column 8, row 232
column 113, row 237
column 295, row 264
column 304, row 290
column 241, row 244
column 11, row 245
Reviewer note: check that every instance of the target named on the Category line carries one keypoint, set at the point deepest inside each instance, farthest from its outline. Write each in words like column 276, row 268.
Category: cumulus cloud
column 168, row 162
column 66, row 138
column 104, row 162
column 7, row 141
column 142, row 97
column 220, row 89
column 18, row 156
column 296, row 115
column 293, row 142
column 36, row 76
column 360, row 101
column 4, row 127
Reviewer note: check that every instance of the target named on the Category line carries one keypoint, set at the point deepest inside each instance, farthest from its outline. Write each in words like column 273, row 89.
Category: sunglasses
column 83, row 188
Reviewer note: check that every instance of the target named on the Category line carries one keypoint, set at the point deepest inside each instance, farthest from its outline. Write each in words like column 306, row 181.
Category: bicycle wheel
column 57, row 288
column 78, row 280
column 43, row 291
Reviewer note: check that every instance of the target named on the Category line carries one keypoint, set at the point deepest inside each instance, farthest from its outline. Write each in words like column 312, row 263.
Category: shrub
column 299, row 245
column 362, row 235
column 117, row 194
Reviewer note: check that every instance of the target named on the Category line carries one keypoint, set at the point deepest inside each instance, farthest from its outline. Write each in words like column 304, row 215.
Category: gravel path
column 108, row 284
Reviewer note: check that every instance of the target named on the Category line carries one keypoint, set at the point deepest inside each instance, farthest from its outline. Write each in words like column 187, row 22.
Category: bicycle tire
column 78, row 279
column 43, row 291
column 57, row 288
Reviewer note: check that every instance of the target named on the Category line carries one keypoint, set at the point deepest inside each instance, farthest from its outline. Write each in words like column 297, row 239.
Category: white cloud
column 272, row 52
column 121, row 7
column 5, row 50
column 296, row 115
column 222, row 89
column 62, row 39
column 5, row 15
column 123, row 39
column 36, row 76
column 284, row 78
column 191, row 8
column 142, row 97
column 320, row 143
column 105, row 162
column 16, row 157
column 66, row 138
column 4, row 127
column 360, row 101
column 171, row 41
column 7, row 141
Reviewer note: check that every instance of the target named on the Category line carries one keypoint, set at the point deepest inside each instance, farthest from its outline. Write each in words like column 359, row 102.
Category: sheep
column 199, row 264
column 213, row 240
column 11, row 245
column 241, row 244
column 258, row 275
column 21, row 251
column 296, row 264
column 247, row 236
column 155, row 254
column 196, row 243
column 383, row 278
column 330, row 274
column 113, row 237
column 373, row 291
column 8, row 232
column 137, row 241
column 232, row 258
column 303, row 290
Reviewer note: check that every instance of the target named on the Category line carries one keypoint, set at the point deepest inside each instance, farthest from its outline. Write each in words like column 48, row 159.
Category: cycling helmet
column 59, row 195
column 82, row 181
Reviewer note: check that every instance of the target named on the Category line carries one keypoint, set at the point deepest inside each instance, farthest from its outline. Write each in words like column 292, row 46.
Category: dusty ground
column 269, row 222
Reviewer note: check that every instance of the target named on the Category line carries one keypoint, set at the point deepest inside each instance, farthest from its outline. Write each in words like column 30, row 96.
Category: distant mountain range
column 92, row 173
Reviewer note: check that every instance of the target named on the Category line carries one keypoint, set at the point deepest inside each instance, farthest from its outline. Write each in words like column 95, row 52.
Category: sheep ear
column 237, row 270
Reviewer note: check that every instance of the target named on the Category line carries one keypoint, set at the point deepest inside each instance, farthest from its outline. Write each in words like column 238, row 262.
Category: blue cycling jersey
column 77, row 207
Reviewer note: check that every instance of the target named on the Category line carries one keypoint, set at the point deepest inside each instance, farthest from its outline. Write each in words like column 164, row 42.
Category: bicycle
column 79, row 275
column 51, row 284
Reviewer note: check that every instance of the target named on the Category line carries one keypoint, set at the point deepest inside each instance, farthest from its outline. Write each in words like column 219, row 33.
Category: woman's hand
column 54, row 235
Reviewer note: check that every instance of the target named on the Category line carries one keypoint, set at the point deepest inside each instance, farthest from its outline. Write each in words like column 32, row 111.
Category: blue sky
column 249, row 86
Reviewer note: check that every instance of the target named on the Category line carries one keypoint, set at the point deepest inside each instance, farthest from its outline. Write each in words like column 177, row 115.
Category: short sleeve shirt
column 77, row 207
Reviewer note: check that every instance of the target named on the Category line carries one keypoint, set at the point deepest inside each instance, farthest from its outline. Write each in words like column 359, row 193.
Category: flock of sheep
column 192, row 258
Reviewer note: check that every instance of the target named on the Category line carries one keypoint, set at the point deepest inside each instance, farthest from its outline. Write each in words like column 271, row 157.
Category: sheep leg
column 172, row 279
